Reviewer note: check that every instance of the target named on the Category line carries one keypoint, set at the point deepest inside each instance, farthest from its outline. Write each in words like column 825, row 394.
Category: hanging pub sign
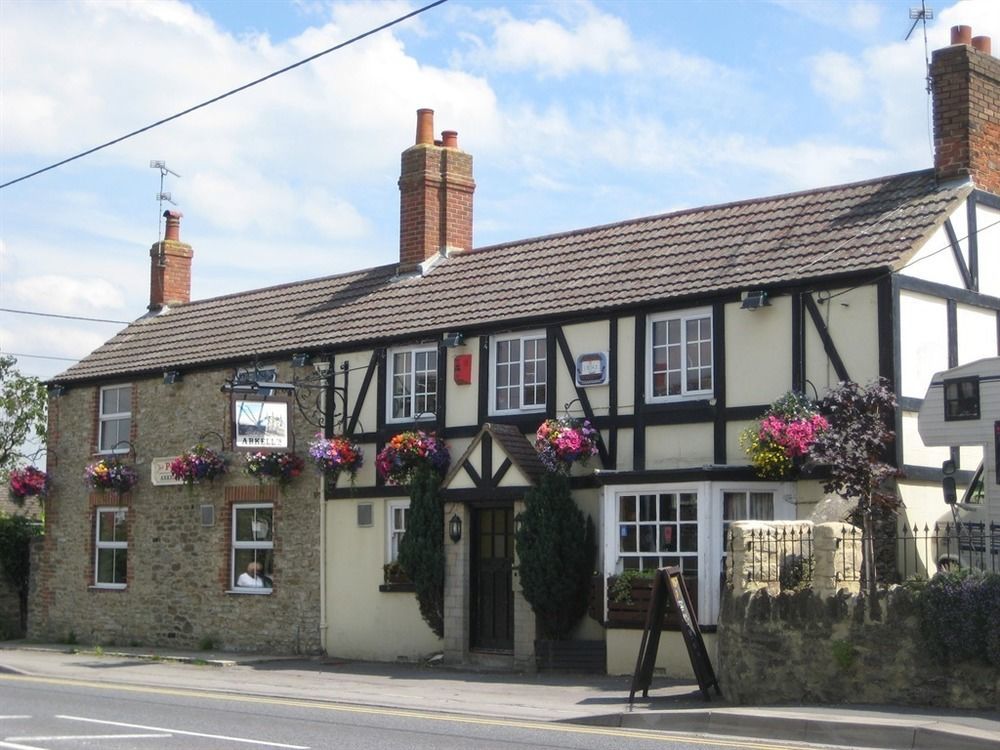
column 260, row 424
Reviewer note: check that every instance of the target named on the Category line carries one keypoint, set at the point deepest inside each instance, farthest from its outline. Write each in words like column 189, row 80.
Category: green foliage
column 960, row 616
column 421, row 551
column 555, row 549
column 796, row 573
column 843, row 654
column 23, row 402
column 621, row 585
column 16, row 533
column 207, row 643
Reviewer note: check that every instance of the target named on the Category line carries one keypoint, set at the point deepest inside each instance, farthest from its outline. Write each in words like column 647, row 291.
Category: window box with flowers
column 111, row 474
column 27, row 482
column 408, row 450
column 563, row 442
column 280, row 467
column 783, row 436
column 197, row 465
column 336, row 455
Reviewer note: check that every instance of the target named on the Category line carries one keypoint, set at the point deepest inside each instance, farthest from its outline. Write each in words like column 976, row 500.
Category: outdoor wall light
column 301, row 359
column 754, row 300
column 451, row 340
column 455, row 528
column 171, row 376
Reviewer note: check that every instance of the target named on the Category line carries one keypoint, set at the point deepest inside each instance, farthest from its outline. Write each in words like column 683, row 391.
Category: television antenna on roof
column 921, row 15
column 162, row 195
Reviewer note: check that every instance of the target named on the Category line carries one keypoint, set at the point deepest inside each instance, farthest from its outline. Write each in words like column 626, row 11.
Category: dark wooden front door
column 492, row 584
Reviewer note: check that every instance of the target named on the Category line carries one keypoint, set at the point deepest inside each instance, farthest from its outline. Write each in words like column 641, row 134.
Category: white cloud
column 838, row 77
column 68, row 295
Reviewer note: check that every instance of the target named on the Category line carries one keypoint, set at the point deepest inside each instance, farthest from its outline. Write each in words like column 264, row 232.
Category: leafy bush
column 960, row 616
column 555, row 549
column 621, row 585
column 15, row 556
column 421, row 550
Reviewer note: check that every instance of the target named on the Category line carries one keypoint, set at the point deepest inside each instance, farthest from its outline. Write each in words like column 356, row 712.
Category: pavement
column 671, row 706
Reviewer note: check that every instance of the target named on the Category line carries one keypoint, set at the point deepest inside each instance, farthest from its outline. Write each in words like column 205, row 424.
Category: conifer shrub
column 556, row 549
column 421, row 550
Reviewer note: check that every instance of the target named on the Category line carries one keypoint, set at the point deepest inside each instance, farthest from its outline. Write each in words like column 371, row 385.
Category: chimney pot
column 425, row 127
column 172, row 232
column 983, row 43
column 961, row 35
column 449, row 138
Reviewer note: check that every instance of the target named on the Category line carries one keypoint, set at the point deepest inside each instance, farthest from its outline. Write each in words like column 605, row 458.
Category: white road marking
column 189, row 734
column 12, row 746
column 86, row 737
column 14, row 716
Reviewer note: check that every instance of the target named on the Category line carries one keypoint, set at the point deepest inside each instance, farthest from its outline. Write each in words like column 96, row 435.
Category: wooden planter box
column 572, row 656
column 633, row 614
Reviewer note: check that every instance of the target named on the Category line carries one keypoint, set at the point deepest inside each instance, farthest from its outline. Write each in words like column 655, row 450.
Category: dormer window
column 961, row 399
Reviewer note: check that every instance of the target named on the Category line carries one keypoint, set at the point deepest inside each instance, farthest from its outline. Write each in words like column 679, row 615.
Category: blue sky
column 576, row 113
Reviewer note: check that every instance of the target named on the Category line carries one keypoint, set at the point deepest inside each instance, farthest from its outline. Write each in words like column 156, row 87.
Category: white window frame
column 520, row 337
column 684, row 316
column 394, row 535
column 106, row 418
column 710, row 523
column 412, row 351
column 236, row 545
column 109, row 545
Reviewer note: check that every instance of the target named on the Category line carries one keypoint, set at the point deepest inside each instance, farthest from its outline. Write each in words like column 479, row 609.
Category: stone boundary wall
column 800, row 648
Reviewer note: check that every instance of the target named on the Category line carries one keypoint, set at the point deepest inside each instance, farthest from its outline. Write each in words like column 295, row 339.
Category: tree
column 15, row 547
column 555, row 549
column 421, row 550
column 855, row 448
column 23, row 402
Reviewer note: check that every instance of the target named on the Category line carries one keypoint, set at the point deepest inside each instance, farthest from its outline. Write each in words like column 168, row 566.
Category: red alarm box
column 463, row 369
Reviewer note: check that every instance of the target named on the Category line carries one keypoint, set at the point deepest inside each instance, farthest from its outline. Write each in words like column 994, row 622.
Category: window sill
column 251, row 592
column 107, row 587
column 389, row 587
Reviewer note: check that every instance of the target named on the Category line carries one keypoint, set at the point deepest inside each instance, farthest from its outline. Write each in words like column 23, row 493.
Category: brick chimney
column 965, row 79
column 436, row 187
column 170, row 266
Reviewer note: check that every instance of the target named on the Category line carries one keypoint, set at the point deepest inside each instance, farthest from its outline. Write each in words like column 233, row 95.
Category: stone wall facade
column 178, row 590
column 801, row 648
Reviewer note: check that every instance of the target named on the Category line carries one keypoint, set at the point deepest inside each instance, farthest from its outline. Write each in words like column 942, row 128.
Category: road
column 46, row 713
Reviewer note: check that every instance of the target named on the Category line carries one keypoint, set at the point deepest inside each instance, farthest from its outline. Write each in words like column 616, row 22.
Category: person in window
column 254, row 578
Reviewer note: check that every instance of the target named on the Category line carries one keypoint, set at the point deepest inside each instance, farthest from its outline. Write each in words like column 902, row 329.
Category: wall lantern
column 455, row 528
column 451, row 340
column 754, row 300
column 171, row 376
column 948, row 482
column 301, row 359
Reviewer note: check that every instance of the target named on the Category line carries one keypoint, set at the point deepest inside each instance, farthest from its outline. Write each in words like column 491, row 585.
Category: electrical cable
column 42, row 356
column 220, row 97
column 65, row 317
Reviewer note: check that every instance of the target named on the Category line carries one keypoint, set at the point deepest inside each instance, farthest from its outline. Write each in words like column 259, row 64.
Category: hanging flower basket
column 281, row 467
column 562, row 442
column 197, row 465
column 110, row 474
column 784, row 434
column 335, row 455
column 407, row 451
column 28, row 482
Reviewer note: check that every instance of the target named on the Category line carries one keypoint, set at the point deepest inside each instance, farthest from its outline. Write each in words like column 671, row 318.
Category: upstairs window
column 518, row 373
column 413, row 384
column 115, row 419
column 680, row 355
column 961, row 399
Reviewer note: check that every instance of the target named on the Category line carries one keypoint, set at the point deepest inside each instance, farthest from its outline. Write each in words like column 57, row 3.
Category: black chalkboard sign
column 668, row 585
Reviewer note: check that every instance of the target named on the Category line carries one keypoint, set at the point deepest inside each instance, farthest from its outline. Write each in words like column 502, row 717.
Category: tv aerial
column 921, row 15
column 162, row 195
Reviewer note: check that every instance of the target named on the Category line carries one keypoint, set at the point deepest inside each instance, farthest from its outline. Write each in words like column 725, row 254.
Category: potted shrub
column 783, row 435
column 280, row 467
column 197, row 464
column 110, row 474
column 335, row 455
column 406, row 452
column 27, row 482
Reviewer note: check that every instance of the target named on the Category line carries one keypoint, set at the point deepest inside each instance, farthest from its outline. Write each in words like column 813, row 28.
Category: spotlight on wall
column 301, row 359
column 451, row 340
column 171, row 376
column 455, row 528
column 754, row 299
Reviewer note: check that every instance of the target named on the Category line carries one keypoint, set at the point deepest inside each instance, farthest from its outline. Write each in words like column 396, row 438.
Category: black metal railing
column 785, row 556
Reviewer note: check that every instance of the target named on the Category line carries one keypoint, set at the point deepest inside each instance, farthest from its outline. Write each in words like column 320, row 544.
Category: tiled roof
column 514, row 444
column 867, row 226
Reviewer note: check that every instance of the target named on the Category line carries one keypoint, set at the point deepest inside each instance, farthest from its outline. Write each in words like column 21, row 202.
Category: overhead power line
column 42, row 356
column 64, row 317
column 220, row 97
